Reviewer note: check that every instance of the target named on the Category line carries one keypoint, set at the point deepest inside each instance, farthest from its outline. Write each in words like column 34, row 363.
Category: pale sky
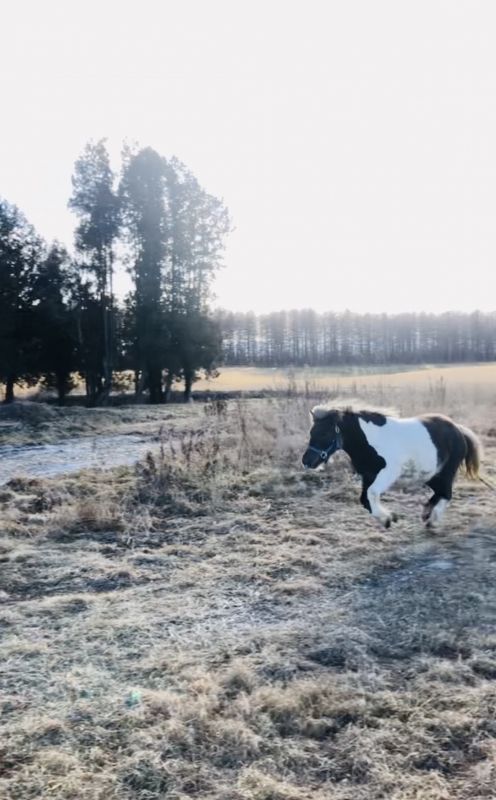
column 353, row 141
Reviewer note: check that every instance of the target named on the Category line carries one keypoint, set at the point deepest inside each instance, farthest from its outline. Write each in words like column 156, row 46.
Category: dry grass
column 215, row 623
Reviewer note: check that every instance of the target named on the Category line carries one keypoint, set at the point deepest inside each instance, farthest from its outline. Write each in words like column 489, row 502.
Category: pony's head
column 325, row 437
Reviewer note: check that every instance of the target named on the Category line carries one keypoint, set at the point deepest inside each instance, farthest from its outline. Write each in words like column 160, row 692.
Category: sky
column 354, row 141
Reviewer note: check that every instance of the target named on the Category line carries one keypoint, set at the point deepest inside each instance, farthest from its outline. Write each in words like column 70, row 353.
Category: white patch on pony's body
column 404, row 444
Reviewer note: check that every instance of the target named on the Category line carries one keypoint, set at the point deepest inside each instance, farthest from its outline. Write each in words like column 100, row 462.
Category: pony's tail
column 475, row 453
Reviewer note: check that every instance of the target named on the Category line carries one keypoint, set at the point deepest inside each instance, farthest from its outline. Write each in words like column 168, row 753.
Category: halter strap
column 335, row 445
column 323, row 453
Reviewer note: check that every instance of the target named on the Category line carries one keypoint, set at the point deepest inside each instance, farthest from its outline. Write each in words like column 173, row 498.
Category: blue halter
column 335, row 445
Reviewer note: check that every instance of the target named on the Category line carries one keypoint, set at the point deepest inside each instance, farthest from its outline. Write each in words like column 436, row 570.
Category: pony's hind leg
column 442, row 483
column 442, row 486
column 437, row 511
column 382, row 482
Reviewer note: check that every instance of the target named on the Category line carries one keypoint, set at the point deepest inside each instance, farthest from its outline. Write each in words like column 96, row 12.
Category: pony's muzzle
column 311, row 460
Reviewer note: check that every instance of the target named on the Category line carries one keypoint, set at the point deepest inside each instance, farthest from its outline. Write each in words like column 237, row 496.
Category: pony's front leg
column 383, row 481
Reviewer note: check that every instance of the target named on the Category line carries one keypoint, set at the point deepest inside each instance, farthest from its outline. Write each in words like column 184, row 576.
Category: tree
column 97, row 206
column 198, row 224
column 54, row 320
column 143, row 197
column 197, row 344
column 20, row 255
column 176, row 232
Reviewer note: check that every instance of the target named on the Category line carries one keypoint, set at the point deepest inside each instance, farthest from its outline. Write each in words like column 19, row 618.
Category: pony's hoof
column 392, row 517
column 426, row 513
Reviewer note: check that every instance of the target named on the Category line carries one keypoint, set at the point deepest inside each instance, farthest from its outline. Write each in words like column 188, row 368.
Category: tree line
column 58, row 313
column 59, row 317
column 303, row 337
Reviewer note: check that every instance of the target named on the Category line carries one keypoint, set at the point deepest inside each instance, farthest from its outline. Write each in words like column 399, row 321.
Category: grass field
column 259, row 378
column 216, row 623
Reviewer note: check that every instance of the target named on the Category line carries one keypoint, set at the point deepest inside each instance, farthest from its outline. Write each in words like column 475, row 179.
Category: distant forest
column 298, row 338
column 59, row 316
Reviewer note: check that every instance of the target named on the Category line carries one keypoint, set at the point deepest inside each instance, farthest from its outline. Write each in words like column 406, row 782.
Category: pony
column 382, row 447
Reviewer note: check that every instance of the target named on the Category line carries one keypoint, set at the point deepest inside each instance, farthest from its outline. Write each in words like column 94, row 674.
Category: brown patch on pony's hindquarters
column 441, row 429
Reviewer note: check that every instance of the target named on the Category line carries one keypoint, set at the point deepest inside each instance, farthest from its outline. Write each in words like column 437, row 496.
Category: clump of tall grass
column 197, row 468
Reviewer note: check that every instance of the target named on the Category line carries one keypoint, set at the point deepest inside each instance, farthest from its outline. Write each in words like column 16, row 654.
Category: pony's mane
column 322, row 411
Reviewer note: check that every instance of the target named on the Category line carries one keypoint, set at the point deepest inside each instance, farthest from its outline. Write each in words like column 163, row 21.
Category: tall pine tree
column 96, row 204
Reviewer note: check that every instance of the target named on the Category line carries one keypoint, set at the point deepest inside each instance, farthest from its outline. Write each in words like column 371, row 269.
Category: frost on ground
column 216, row 623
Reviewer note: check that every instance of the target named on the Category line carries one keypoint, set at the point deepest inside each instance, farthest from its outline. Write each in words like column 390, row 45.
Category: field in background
column 462, row 389
column 215, row 623
column 257, row 379
column 232, row 379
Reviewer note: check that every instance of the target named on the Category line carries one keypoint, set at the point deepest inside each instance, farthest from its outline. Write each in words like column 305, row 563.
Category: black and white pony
column 382, row 447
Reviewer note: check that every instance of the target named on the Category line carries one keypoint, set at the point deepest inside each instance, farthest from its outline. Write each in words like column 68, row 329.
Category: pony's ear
column 310, row 414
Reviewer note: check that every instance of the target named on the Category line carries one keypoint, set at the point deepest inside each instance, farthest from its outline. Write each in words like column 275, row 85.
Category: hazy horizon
column 353, row 142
